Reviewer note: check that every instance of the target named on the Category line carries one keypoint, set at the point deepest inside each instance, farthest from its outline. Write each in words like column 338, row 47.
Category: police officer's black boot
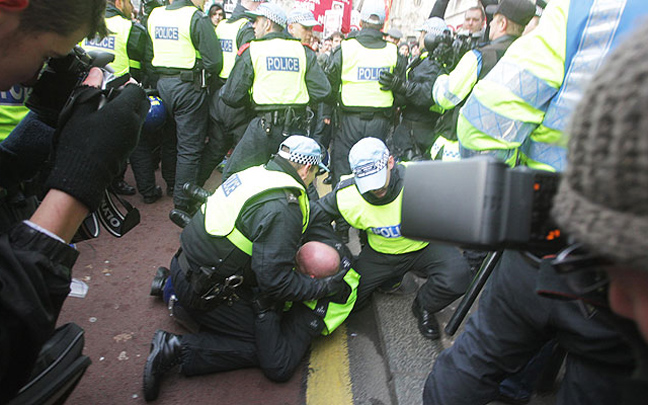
column 427, row 322
column 165, row 354
column 157, row 285
column 180, row 216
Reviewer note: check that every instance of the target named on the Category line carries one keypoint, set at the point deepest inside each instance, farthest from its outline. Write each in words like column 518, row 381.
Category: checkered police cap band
column 301, row 158
column 372, row 167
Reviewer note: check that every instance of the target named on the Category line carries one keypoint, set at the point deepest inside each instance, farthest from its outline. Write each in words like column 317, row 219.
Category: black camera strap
column 112, row 218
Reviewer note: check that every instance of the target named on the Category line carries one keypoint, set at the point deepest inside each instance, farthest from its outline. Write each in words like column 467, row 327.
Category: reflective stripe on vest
column 528, row 108
column 361, row 69
column 382, row 222
column 279, row 71
column 227, row 32
column 170, row 32
column 223, row 208
column 338, row 312
column 115, row 43
column 451, row 89
column 12, row 109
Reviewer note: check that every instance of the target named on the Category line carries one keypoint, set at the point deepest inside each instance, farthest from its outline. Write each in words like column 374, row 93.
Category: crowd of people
column 263, row 266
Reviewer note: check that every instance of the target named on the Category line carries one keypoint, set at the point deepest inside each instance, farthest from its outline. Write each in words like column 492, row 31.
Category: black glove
column 333, row 284
column 24, row 151
column 388, row 81
column 262, row 304
column 91, row 147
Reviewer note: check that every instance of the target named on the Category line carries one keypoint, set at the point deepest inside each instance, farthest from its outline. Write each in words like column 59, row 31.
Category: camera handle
column 485, row 270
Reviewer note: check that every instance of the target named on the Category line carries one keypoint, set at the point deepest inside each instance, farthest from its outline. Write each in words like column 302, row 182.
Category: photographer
column 450, row 90
column 503, row 117
column 414, row 135
column 89, row 148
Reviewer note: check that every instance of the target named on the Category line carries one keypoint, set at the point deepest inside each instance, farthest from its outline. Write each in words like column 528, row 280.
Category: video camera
column 448, row 48
column 484, row 204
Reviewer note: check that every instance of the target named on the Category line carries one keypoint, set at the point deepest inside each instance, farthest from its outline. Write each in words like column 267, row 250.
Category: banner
column 333, row 15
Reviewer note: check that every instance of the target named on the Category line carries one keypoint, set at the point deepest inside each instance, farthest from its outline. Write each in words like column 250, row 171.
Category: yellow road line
column 329, row 379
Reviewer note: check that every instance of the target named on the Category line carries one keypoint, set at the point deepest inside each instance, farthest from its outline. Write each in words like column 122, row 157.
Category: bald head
column 317, row 260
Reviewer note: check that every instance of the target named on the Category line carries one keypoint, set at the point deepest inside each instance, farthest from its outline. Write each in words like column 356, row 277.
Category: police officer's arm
column 138, row 42
column 451, row 89
column 317, row 84
column 236, row 92
column 325, row 209
column 245, row 35
column 205, row 41
column 274, row 226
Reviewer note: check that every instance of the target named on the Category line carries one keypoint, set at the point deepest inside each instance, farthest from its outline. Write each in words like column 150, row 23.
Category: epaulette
column 291, row 197
column 345, row 183
column 243, row 48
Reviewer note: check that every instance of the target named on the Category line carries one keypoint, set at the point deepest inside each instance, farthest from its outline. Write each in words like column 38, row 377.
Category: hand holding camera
column 91, row 146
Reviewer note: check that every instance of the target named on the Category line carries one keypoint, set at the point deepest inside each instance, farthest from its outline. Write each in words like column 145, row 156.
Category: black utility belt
column 368, row 115
column 185, row 76
column 213, row 285
column 279, row 117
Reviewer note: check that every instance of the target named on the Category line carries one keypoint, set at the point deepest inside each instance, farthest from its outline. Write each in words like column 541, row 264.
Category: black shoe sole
column 426, row 334
column 150, row 385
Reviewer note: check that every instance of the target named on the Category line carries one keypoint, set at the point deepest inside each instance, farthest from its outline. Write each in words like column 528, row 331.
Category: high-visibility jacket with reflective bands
column 337, row 312
column 224, row 206
column 170, row 32
column 451, row 89
column 381, row 222
column 279, row 70
column 12, row 109
column 116, row 43
column 519, row 111
column 360, row 72
column 227, row 31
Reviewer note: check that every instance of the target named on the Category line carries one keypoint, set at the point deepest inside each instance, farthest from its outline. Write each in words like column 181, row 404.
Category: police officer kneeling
column 371, row 201
column 241, row 244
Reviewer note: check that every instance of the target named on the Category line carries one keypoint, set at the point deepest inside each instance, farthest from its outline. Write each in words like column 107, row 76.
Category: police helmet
column 156, row 116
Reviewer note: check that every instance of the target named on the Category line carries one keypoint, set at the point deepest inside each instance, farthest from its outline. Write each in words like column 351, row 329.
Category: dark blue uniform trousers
column 234, row 337
column 188, row 107
column 510, row 326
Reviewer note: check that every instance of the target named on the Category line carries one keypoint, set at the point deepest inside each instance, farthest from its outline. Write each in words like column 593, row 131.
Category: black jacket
column 273, row 222
column 35, row 276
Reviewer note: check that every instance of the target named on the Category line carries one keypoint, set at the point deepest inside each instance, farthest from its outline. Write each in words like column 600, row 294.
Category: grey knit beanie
column 603, row 196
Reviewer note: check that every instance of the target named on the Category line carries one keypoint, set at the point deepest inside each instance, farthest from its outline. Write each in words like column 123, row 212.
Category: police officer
column 279, row 76
column 414, row 135
column 371, row 201
column 246, row 234
column 186, row 53
column 354, row 70
column 451, row 90
column 300, row 25
column 227, row 124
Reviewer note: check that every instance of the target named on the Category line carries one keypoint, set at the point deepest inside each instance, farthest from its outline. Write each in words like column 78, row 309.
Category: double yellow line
column 329, row 378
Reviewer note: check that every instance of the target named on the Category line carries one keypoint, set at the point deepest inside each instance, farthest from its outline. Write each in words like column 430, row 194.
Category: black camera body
column 480, row 203
column 59, row 78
